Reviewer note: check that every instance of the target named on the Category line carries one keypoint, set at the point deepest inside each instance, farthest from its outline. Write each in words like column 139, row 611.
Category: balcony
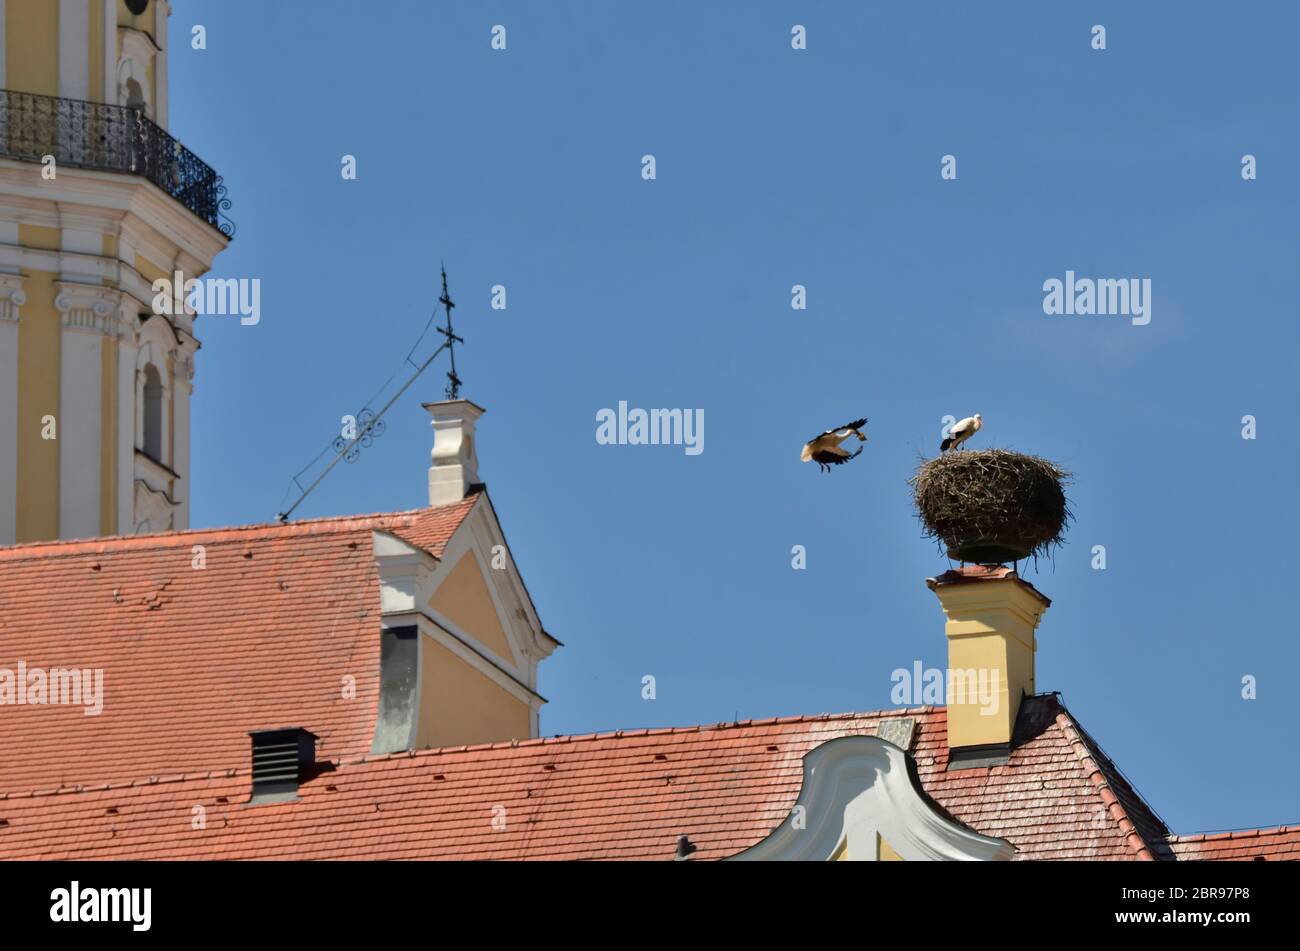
column 111, row 139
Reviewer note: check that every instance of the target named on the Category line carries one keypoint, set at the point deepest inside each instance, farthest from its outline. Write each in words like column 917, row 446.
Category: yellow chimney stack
column 992, row 615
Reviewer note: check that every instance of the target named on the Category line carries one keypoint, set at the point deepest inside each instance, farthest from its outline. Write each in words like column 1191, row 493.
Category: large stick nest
column 992, row 505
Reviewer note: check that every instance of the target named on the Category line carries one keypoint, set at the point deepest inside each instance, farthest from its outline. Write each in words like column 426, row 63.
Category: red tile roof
column 625, row 795
column 195, row 659
column 1271, row 845
column 264, row 636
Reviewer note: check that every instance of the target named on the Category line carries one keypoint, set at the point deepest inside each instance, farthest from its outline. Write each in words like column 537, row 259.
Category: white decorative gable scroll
column 858, row 791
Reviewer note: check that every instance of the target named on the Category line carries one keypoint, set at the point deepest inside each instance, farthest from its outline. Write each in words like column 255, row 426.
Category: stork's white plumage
column 825, row 449
column 962, row 431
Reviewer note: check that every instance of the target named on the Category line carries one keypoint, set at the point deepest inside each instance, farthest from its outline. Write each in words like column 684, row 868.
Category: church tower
column 97, row 201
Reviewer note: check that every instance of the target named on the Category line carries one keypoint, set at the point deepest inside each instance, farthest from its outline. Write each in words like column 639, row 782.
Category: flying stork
column 825, row 449
column 962, row 431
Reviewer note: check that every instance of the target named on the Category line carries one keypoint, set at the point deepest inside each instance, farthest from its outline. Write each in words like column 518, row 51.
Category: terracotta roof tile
column 1281, row 844
column 263, row 635
column 193, row 659
column 608, row 796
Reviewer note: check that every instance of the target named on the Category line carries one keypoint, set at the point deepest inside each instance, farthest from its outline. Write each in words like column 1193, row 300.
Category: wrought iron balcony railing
column 115, row 139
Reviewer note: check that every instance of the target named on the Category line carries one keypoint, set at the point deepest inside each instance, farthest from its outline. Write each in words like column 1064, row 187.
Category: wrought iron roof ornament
column 370, row 424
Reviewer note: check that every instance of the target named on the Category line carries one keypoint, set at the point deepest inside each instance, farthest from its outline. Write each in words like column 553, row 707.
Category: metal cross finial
column 453, row 381
column 367, row 424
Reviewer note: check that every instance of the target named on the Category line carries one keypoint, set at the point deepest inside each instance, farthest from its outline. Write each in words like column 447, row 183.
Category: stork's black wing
column 832, row 459
column 856, row 424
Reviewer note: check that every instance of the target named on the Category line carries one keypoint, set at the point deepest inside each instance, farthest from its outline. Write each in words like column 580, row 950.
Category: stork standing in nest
column 825, row 450
column 962, row 431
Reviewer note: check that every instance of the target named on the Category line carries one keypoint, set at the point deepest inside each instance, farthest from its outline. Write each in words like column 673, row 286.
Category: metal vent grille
column 279, row 757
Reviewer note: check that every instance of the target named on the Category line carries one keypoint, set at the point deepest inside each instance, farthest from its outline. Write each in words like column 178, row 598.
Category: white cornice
column 147, row 468
column 857, row 790
column 134, row 201
column 403, row 573
column 485, row 666
column 472, row 541
column 137, row 293
column 489, row 527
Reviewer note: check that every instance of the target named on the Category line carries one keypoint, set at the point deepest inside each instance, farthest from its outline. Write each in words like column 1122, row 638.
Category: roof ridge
column 161, row 779
column 54, row 548
column 1097, row 775
column 1235, row 833
column 571, row 738
column 360, row 759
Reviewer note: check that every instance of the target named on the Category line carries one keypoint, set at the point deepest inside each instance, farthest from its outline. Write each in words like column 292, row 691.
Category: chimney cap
column 439, row 408
column 975, row 574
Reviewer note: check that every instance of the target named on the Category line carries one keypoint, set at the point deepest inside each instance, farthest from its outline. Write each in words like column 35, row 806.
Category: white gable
column 858, row 790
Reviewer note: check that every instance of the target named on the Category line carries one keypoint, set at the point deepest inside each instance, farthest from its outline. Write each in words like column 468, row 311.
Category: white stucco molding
column 138, row 52
column 157, row 342
column 474, row 540
column 12, row 297
column 154, row 511
column 541, row 644
column 857, row 790
column 483, row 663
column 128, row 322
column 146, row 218
column 404, row 572
column 88, row 307
column 185, row 369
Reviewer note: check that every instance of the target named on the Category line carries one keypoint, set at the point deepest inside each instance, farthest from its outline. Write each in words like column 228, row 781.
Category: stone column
column 89, row 312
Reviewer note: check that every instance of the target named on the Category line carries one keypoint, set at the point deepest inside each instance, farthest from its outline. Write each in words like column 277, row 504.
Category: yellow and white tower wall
column 97, row 201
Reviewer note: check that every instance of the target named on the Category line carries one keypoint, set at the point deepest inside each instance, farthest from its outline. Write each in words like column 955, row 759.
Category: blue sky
column 778, row 167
